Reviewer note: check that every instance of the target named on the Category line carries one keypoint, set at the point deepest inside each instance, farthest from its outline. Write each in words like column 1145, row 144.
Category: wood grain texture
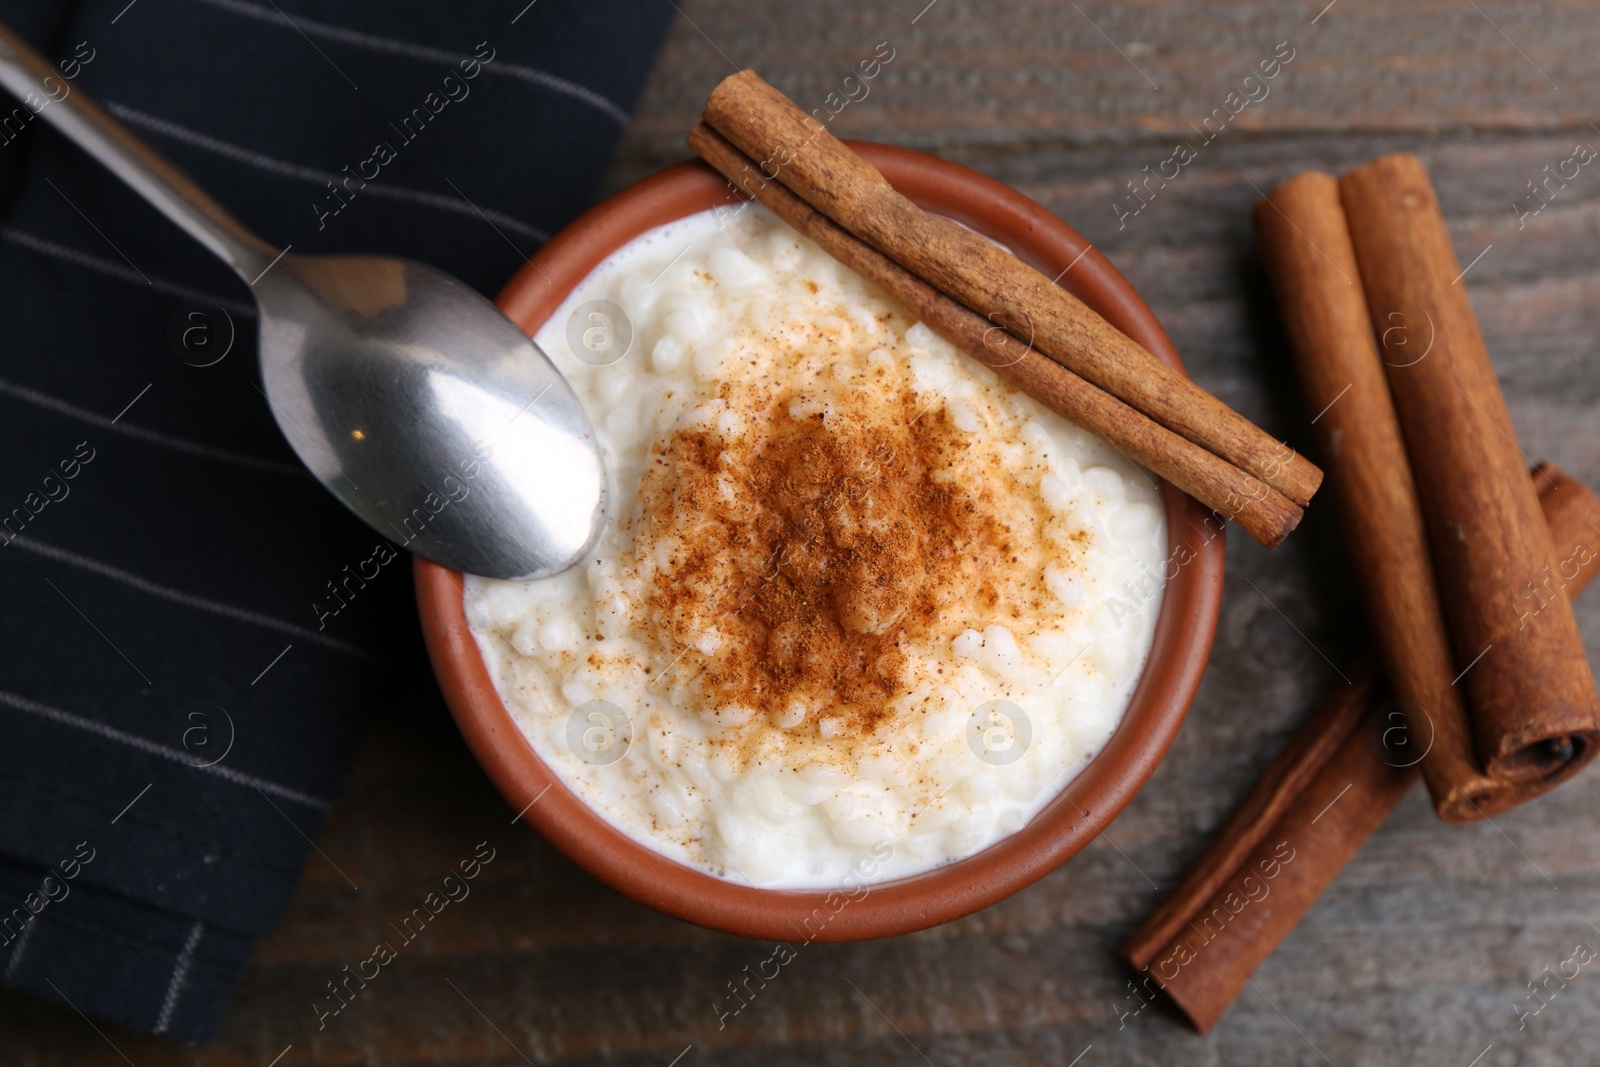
column 1423, row 946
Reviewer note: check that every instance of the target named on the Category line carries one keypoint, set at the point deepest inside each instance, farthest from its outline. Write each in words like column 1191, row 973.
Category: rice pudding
column 861, row 609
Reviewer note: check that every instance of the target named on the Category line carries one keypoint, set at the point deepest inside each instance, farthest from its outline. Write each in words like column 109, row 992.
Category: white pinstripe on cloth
column 144, row 744
column 178, row 596
column 374, row 43
column 266, row 163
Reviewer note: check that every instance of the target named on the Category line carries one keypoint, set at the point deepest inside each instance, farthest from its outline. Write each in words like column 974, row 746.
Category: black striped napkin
column 192, row 629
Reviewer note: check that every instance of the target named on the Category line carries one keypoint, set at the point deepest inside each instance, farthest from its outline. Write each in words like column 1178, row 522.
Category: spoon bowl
column 418, row 404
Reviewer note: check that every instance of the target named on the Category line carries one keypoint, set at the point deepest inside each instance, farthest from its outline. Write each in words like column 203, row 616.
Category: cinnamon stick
column 1306, row 246
column 1206, row 965
column 1263, row 512
column 1332, row 785
column 792, row 148
column 1530, row 694
column 1311, row 748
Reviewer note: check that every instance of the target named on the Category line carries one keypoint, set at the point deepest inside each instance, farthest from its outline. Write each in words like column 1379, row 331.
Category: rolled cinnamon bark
column 1306, row 247
column 1280, row 788
column 1206, row 964
column 1532, row 705
column 1263, row 512
column 792, row 148
column 1332, row 785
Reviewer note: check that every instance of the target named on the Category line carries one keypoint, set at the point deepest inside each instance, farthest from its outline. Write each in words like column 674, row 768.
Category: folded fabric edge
column 116, row 959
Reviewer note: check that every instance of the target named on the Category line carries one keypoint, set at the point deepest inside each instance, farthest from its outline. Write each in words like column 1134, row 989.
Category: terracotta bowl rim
column 1184, row 631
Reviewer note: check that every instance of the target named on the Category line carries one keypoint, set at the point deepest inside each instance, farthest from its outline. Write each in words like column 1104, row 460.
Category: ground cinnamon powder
column 799, row 546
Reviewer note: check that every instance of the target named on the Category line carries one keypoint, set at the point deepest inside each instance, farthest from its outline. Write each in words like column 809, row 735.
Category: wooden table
column 1422, row 949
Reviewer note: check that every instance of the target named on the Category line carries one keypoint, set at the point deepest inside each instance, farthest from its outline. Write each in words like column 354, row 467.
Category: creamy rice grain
column 856, row 597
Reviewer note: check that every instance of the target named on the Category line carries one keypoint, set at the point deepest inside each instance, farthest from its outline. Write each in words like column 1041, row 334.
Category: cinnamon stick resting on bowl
column 1327, row 791
column 778, row 143
column 1264, row 513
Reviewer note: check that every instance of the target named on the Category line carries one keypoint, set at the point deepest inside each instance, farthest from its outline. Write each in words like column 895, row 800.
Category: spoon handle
column 51, row 97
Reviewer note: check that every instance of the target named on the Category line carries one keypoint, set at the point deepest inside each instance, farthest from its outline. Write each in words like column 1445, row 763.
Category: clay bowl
column 1183, row 634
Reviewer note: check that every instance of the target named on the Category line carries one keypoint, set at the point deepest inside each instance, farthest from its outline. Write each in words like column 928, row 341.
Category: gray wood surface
column 1421, row 952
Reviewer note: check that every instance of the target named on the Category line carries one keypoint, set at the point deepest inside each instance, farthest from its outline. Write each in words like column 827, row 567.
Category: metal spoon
column 408, row 395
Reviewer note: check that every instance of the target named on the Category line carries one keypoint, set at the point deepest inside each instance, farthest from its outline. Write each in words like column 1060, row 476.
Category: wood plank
column 967, row 74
